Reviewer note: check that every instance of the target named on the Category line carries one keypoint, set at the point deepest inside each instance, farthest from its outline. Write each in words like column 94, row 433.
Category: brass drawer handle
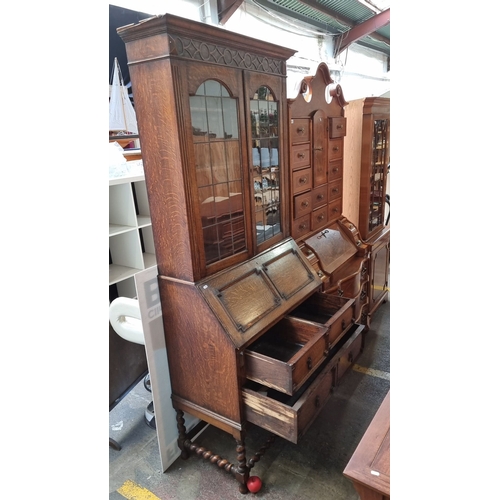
column 302, row 227
column 335, row 190
column 335, row 170
column 302, row 180
column 336, row 148
column 305, row 203
column 309, row 363
column 301, row 130
column 320, row 217
column 335, row 209
column 317, row 149
column 320, row 197
column 340, row 126
column 301, row 155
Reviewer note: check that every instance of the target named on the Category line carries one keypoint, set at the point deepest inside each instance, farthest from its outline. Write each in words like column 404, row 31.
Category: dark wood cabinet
column 318, row 128
column 367, row 146
column 211, row 108
column 379, row 269
column 239, row 193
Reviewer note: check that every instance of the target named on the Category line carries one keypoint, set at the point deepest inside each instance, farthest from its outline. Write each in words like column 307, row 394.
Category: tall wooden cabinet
column 318, row 126
column 250, row 336
column 367, row 148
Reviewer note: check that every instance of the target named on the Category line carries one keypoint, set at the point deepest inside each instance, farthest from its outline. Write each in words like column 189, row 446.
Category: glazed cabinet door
column 266, row 139
column 379, row 161
column 375, row 159
column 217, row 131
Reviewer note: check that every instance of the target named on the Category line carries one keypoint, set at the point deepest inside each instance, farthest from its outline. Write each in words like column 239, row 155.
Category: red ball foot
column 254, row 484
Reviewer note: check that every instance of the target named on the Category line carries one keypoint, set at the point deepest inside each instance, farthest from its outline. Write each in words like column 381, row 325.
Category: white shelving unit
column 131, row 246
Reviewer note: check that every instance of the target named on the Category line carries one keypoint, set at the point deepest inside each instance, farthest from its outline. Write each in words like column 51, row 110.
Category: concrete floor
column 311, row 469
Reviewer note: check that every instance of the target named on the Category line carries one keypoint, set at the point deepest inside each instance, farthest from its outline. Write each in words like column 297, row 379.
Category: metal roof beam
column 344, row 20
column 268, row 4
column 325, row 10
column 366, row 28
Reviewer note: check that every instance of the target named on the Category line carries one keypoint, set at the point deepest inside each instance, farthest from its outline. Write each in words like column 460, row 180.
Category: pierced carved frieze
column 198, row 50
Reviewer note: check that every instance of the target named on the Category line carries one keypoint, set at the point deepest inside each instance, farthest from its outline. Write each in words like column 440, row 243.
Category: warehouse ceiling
column 365, row 22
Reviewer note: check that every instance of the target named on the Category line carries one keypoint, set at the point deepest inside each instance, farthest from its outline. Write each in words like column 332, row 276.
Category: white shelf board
column 115, row 229
column 126, row 178
column 119, row 273
column 143, row 220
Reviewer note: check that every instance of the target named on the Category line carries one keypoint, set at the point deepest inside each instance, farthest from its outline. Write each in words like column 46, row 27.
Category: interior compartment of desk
column 290, row 416
column 334, row 313
column 287, row 354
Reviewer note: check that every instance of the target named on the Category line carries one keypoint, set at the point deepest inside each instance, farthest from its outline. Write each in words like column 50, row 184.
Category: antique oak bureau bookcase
column 368, row 151
column 260, row 325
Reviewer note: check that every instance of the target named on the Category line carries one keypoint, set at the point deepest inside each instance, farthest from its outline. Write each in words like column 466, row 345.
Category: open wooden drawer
column 290, row 416
column 335, row 313
column 287, row 354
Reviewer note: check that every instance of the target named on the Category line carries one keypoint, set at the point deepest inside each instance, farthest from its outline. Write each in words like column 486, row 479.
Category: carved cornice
column 178, row 37
column 191, row 48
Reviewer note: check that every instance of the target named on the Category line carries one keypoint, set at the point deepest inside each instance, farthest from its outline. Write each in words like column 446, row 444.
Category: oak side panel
column 202, row 360
column 352, row 160
column 162, row 160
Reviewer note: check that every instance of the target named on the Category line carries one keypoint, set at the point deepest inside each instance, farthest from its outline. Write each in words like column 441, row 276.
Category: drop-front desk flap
column 249, row 298
column 332, row 247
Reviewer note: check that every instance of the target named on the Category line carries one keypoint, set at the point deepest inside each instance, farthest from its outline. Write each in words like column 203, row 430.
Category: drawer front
column 364, row 315
column 334, row 190
column 301, row 156
column 335, row 209
column 286, row 355
column 320, row 172
column 334, row 170
column 319, row 217
column 301, row 180
column 290, row 418
column 337, row 127
column 335, row 149
column 302, row 204
column 333, row 312
column 319, row 196
column 301, row 226
column 350, row 286
column 299, row 130
column 349, row 357
column 290, row 421
column 337, row 328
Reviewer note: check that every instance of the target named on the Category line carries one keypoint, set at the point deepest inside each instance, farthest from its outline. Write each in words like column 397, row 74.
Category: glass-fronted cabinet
column 219, row 172
column 375, row 158
column 212, row 138
column 265, row 163
column 380, row 153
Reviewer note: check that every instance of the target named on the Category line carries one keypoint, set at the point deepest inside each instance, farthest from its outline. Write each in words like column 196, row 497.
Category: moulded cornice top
column 170, row 24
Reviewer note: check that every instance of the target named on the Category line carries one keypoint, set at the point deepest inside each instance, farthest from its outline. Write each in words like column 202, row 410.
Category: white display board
column 148, row 297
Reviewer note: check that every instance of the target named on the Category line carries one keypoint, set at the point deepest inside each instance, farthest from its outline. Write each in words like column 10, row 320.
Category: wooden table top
column 370, row 463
